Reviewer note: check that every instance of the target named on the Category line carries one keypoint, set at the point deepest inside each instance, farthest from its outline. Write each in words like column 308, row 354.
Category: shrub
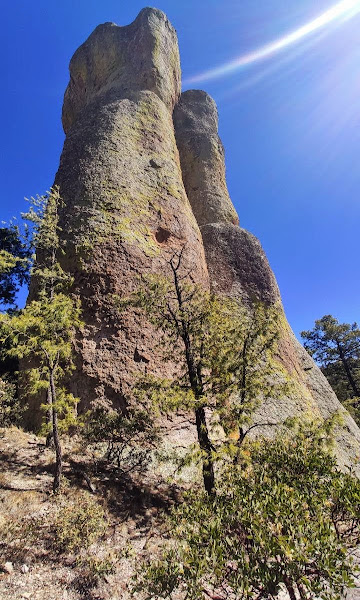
column 128, row 437
column 79, row 523
column 284, row 516
column 11, row 410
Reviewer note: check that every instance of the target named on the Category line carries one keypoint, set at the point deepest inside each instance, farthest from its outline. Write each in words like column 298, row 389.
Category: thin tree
column 336, row 348
column 224, row 355
column 41, row 334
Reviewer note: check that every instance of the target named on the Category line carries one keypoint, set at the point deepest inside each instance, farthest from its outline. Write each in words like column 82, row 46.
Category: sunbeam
column 343, row 10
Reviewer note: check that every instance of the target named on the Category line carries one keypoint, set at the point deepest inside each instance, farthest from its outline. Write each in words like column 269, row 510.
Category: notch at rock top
column 121, row 60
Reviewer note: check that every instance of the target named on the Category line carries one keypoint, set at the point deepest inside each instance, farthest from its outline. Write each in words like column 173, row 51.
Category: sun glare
column 343, row 10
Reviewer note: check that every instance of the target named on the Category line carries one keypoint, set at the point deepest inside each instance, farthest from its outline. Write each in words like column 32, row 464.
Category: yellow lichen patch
column 124, row 218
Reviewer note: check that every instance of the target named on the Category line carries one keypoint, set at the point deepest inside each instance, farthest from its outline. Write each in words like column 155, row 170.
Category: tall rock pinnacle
column 238, row 267
column 118, row 61
column 202, row 158
column 141, row 175
column 125, row 207
column 236, row 262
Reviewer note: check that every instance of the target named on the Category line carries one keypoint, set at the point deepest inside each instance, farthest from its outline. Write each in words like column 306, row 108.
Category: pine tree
column 41, row 334
column 336, row 348
column 224, row 353
column 15, row 262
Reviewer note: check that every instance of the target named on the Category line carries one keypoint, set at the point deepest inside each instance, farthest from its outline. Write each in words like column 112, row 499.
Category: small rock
column 26, row 595
column 8, row 567
column 24, row 568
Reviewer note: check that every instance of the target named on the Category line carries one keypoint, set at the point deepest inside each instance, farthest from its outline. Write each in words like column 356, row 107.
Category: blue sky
column 290, row 125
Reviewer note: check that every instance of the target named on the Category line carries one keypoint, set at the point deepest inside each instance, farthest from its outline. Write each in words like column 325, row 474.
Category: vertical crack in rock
column 238, row 266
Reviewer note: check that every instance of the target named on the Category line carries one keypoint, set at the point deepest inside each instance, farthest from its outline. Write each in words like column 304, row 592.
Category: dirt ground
column 32, row 566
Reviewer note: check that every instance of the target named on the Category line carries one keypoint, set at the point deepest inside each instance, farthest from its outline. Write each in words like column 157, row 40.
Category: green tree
column 129, row 435
column 336, row 348
column 283, row 517
column 15, row 262
column 224, row 355
column 41, row 334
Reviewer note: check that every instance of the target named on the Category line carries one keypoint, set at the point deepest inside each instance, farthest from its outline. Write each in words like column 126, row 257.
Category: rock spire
column 142, row 174
column 125, row 207
column 238, row 267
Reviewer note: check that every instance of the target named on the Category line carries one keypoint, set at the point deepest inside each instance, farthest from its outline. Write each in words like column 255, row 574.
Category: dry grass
column 79, row 545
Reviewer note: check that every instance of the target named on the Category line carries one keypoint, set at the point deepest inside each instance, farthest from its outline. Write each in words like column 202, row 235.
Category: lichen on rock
column 120, row 181
column 141, row 175
column 238, row 267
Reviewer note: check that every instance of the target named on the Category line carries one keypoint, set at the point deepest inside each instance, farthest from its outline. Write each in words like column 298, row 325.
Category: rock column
column 125, row 208
column 238, row 266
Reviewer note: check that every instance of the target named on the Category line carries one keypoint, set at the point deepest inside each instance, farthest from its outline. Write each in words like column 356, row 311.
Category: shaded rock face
column 238, row 267
column 237, row 264
column 142, row 174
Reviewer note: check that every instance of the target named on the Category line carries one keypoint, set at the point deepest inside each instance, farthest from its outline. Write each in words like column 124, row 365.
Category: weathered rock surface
column 238, row 266
column 141, row 56
column 134, row 191
column 202, row 158
column 125, row 208
column 141, row 171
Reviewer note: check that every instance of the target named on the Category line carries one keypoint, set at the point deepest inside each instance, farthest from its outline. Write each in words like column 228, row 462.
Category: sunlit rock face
column 125, row 208
column 238, row 267
column 141, row 175
column 202, row 158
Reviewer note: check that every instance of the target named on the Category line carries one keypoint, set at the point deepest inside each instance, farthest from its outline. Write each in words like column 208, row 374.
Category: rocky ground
column 40, row 556
column 34, row 563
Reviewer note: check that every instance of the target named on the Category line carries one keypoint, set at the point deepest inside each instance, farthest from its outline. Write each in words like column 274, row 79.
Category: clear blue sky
column 290, row 125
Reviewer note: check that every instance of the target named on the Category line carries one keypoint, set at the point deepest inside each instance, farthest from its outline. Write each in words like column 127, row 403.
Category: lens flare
column 343, row 10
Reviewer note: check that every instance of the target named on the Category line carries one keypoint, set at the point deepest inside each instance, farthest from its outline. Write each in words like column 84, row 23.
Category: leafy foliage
column 79, row 525
column 11, row 410
column 129, row 436
column 224, row 354
column 15, row 262
column 284, row 516
column 41, row 334
column 43, row 220
column 336, row 348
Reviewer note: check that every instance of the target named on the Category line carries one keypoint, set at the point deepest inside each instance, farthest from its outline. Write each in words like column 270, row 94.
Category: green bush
column 95, row 568
column 284, row 516
column 79, row 523
column 11, row 410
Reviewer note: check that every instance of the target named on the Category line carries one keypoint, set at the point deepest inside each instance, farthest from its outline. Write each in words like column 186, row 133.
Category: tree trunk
column 195, row 378
column 55, row 431
column 290, row 588
column 49, row 436
column 205, row 446
column 348, row 372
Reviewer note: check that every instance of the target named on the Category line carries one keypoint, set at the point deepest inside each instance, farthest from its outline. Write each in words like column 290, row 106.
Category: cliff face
column 142, row 174
column 125, row 207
